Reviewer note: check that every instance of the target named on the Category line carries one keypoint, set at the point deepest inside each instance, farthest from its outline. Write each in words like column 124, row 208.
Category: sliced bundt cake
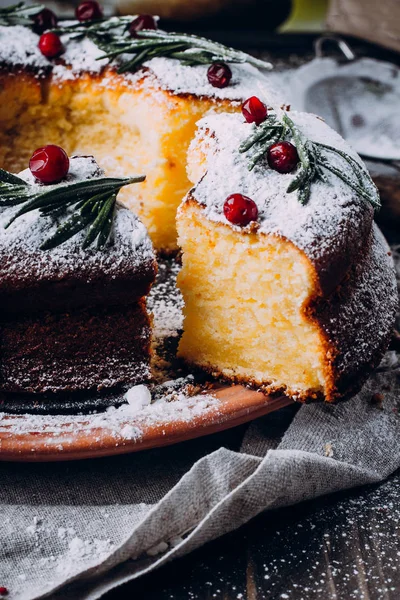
column 287, row 282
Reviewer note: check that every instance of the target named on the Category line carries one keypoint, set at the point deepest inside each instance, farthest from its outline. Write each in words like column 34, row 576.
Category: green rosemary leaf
column 192, row 58
column 130, row 65
column 54, row 207
column 259, row 134
column 111, row 36
column 342, row 154
column 361, row 174
column 312, row 158
column 69, row 228
column 106, row 230
column 217, row 51
column 19, row 14
column 299, row 141
column 320, row 175
column 12, row 195
column 273, row 137
column 300, row 179
column 80, row 189
column 88, row 202
column 6, row 177
column 304, row 192
column 100, row 219
column 356, row 188
column 78, row 221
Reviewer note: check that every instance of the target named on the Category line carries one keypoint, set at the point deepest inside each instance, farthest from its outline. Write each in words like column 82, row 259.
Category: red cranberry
column 142, row 22
column 50, row 45
column 3, row 591
column 240, row 210
column 88, row 11
column 219, row 75
column 49, row 164
column 254, row 111
column 44, row 20
column 282, row 157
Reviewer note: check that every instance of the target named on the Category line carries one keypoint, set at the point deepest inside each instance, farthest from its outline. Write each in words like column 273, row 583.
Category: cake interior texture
column 259, row 312
column 90, row 348
column 129, row 129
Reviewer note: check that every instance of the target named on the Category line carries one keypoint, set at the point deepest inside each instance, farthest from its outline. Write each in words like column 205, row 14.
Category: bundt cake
column 73, row 316
column 288, row 284
column 107, row 87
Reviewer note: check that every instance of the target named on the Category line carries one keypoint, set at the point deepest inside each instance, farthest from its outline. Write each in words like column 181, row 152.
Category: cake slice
column 73, row 318
column 287, row 283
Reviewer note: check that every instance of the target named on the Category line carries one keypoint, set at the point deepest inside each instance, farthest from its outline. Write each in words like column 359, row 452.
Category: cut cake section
column 301, row 301
column 73, row 318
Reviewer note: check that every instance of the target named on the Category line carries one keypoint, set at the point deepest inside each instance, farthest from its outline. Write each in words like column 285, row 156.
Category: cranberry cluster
column 219, row 74
column 50, row 43
column 282, row 157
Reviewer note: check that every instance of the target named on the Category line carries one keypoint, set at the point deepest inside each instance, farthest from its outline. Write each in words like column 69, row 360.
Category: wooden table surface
column 341, row 547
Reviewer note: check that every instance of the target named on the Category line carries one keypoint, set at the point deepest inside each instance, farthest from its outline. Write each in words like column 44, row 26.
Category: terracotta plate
column 43, row 438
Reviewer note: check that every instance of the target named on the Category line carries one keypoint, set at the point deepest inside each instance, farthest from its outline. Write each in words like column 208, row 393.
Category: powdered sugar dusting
column 20, row 243
column 334, row 217
column 172, row 75
column 334, row 229
column 19, row 47
column 83, row 55
column 361, row 323
column 172, row 403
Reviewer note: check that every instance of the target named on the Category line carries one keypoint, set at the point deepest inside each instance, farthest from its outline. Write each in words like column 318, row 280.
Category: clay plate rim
column 237, row 405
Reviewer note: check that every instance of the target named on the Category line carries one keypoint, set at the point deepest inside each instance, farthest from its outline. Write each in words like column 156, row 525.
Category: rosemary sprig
column 88, row 204
column 112, row 36
column 20, row 14
column 314, row 160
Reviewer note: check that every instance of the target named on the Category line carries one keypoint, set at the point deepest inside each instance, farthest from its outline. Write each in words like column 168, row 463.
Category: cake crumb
column 328, row 450
column 137, row 397
column 377, row 400
column 157, row 549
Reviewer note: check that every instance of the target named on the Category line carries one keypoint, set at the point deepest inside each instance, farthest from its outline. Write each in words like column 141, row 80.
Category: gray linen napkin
column 76, row 530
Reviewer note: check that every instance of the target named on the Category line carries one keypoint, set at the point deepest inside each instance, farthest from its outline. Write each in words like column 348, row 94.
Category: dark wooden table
column 342, row 547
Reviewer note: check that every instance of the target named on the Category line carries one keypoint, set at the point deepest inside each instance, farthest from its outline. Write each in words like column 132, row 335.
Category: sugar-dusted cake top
column 19, row 48
column 128, row 255
column 331, row 227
